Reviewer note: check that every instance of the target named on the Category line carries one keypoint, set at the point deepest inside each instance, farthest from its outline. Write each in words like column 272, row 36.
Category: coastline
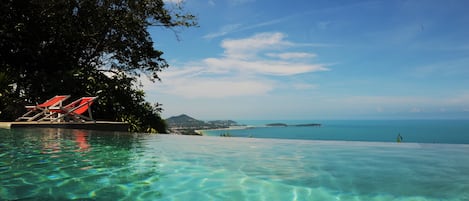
column 201, row 132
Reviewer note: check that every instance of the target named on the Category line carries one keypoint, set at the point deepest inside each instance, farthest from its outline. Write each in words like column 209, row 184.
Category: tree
column 84, row 48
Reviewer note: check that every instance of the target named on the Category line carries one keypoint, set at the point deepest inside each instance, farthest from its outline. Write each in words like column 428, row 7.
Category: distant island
column 308, row 125
column 186, row 125
column 277, row 125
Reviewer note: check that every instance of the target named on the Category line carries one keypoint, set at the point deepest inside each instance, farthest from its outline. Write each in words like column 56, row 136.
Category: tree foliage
column 84, row 48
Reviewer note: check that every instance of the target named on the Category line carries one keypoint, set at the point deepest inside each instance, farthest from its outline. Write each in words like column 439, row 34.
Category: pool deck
column 98, row 125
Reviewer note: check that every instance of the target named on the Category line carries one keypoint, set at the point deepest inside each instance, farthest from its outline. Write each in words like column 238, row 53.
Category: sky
column 314, row 60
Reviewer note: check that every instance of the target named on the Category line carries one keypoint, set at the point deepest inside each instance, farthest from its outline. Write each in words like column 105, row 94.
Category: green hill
column 184, row 120
column 184, row 124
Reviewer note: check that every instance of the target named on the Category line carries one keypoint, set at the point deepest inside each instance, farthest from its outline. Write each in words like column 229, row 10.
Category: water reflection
column 80, row 138
column 51, row 141
column 65, row 164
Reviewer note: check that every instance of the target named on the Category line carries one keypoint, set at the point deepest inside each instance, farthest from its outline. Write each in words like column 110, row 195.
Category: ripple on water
column 149, row 167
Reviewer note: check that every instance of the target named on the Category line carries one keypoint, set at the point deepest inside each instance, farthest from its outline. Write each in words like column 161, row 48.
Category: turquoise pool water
column 54, row 164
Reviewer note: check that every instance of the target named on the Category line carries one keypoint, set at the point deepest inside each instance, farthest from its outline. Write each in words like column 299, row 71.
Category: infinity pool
column 54, row 164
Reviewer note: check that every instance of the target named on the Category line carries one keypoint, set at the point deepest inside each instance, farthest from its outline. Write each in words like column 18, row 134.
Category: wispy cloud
column 296, row 16
column 292, row 55
column 242, row 70
column 228, row 29
column 249, row 47
column 211, row 2
column 279, row 68
column 173, row 1
column 222, row 87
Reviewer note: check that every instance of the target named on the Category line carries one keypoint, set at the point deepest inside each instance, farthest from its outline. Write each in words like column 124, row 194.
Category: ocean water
column 420, row 131
column 63, row 164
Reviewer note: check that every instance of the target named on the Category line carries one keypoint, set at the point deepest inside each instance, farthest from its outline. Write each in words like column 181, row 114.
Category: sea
column 417, row 131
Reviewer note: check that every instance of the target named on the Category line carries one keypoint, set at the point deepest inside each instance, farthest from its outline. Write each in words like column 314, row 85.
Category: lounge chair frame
column 42, row 109
column 73, row 111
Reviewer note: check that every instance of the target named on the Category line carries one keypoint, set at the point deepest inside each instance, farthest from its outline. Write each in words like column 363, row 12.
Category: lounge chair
column 36, row 111
column 73, row 111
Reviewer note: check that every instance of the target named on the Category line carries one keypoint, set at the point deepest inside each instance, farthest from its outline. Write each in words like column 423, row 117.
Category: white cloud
column 243, row 69
column 280, row 20
column 173, row 1
column 216, row 87
column 227, row 29
column 248, row 47
column 292, row 55
column 244, row 55
column 279, row 68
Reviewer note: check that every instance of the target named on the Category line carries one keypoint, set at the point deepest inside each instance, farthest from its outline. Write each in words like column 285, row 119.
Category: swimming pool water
column 61, row 164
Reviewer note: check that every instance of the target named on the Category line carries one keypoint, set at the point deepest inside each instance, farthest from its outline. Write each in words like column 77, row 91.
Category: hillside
column 184, row 120
column 186, row 125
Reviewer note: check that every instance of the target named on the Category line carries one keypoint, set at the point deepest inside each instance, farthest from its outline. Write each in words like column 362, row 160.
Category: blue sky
column 263, row 59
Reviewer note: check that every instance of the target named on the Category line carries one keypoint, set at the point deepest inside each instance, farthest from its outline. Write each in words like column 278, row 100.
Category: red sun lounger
column 36, row 111
column 73, row 111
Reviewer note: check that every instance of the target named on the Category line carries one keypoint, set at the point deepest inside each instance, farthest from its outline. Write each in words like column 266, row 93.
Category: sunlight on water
column 89, row 165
